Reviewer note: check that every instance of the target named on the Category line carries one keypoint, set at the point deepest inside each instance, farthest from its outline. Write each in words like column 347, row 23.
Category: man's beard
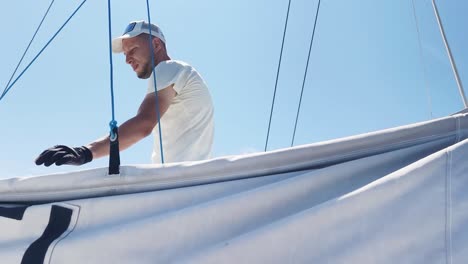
column 146, row 73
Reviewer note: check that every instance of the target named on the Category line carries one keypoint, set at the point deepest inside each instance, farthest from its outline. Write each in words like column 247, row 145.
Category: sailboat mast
column 449, row 52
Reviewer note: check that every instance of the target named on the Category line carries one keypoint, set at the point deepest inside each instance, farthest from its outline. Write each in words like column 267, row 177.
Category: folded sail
column 392, row 196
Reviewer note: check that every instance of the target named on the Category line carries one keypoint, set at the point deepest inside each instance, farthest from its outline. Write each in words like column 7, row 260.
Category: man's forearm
column 130, row 132
column 100, row 147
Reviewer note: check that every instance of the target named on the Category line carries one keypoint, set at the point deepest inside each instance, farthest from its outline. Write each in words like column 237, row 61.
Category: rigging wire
column 277, row 75
column 305, row 72
column 40, row 52
column 114, row 151
column 423, row 65
column 154, row 80
column 27, row 48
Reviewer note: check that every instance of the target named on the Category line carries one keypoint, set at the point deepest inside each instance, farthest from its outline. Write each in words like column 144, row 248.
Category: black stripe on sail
column 16, row 213
column 59, row 221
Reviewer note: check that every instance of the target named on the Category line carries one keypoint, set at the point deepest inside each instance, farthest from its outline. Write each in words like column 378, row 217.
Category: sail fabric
column 391, row 196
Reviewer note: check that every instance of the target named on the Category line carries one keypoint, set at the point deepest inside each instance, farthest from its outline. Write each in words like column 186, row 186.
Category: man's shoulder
column 179, row 73
column 171, row 68
column 173, row 64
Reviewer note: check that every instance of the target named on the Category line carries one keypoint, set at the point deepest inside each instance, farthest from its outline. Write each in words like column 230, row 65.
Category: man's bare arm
column 130, row 132
column 139, row 126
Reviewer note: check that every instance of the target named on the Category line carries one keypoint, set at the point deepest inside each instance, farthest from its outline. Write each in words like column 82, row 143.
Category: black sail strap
column 114, row 153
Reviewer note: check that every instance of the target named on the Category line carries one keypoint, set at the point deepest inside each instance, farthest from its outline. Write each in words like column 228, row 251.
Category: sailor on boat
column 183, row 109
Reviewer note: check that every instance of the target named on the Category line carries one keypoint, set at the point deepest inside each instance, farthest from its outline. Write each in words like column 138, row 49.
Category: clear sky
column 367, row 71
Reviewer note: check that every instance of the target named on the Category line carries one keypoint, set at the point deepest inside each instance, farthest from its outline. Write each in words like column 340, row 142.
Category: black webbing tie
column 114, row 153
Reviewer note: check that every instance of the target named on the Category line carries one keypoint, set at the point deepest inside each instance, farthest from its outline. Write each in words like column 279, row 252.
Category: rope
column 277, row 75
column 40, row 52
column 155, row 87
column 421, row 58
column 305, row 73
column 113, row 122
column 114, row 151
column 27, row 48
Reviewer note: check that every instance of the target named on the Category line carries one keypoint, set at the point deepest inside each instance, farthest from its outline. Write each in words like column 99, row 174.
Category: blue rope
column 154, row 80
column 305, row 73
column 113, row 122
column 277, row 75
column 40, row 52
column 27, row 48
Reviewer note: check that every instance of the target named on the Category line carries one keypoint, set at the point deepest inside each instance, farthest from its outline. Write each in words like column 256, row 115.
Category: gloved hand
column 61, row 154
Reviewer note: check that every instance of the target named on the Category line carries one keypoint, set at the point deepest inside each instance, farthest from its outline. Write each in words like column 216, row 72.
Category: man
column 184, row 102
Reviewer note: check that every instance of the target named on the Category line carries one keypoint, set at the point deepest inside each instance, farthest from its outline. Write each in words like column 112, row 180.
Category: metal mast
column 449, row 52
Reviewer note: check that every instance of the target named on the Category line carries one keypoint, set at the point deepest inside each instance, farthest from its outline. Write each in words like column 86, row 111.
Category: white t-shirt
column 187, row 126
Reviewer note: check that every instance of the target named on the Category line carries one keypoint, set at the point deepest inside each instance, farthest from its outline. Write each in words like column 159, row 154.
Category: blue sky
column 367, row 71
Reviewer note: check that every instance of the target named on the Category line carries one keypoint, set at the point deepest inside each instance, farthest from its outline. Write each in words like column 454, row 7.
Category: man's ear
column 157, row 45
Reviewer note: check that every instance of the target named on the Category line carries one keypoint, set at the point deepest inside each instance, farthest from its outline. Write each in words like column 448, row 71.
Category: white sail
column 392, row 196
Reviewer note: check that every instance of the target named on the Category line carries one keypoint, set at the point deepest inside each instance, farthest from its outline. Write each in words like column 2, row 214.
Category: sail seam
column 448, row 209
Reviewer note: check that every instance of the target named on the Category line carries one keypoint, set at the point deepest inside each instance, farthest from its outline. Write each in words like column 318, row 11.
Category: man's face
column 138, row 55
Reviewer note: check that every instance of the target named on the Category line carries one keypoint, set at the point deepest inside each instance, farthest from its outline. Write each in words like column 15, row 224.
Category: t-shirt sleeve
column 168, row 73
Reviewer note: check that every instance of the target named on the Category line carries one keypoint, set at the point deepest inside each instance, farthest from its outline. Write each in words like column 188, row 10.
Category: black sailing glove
column 61, row 154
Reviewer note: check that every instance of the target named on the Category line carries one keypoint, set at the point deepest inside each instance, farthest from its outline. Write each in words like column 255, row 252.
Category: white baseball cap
column 134, row 29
